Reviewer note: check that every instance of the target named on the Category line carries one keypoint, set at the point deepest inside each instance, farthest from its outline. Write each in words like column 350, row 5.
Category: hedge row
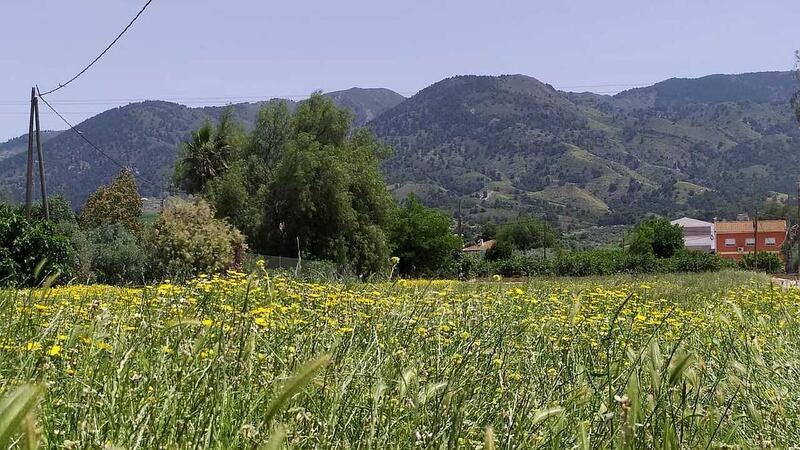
column 591, row 262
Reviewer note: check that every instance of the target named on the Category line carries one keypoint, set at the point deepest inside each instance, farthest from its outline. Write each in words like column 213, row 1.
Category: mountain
column 144, row 136
column 500, row 145
column 366, row 104
column 20, row 144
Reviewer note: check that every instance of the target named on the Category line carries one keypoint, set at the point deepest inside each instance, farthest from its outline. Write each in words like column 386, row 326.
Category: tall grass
column 680, row 361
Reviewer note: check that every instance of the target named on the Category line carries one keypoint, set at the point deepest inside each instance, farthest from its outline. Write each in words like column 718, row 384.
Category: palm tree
column 205, row 156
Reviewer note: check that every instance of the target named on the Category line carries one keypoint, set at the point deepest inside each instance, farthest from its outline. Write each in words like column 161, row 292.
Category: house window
column 770, row 241
column 730, row 242
column 750, row 242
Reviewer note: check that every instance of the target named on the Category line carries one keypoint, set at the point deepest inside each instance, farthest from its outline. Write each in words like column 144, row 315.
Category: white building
column 697, row 235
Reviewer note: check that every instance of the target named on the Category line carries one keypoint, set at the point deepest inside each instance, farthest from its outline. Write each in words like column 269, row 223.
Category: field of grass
column 678, row 361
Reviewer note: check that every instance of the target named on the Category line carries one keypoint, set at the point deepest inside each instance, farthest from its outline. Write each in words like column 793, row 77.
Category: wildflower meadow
column 265, row 361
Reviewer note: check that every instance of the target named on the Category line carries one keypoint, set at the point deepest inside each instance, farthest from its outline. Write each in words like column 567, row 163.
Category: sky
column 200, row 52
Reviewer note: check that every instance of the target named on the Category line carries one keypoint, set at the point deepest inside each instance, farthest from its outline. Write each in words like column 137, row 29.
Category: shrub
column 590, row 262
column 768, row 262
column 473, row 266
column 25, row 244
column 118, row 202
column 117, row 256
column 188, row 239
column 657, row 236
column 82, row 250
column 501, row 250
column 695, row 261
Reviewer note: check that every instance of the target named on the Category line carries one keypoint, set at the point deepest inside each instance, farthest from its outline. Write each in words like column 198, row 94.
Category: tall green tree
column 327, row 195
column 423, row 239
column 302, row 181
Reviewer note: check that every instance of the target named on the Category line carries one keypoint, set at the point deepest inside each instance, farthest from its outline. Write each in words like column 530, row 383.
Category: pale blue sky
column 238, row 49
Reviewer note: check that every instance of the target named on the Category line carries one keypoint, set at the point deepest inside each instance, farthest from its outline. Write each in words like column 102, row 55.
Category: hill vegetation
column 706, row 147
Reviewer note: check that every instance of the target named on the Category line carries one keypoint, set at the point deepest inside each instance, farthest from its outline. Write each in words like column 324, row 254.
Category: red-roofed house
column 736, row 238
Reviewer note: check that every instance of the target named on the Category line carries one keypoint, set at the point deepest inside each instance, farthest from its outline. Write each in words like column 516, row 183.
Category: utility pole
column 755, row 244
column 34, row 119
column 460, row 220
column 29, row 170
column 42, row 183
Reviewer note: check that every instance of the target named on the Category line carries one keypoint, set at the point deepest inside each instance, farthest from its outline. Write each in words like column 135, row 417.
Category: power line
column 101, row 53
column 203, row 100
column 98, row 149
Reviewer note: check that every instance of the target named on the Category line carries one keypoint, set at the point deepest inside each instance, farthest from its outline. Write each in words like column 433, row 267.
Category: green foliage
column 599, row 262
column 187, row 239
column 502, row 250
column 117, row 256
column 473, row 266
column 768, row 262
column 657, row 237
column 527, row 233
column 25, row 244
column 304, row 182
column 60, row 210
column 423, row 240
column 117, row 203
column 488, row 231
column 206, row 155
column 696, row 261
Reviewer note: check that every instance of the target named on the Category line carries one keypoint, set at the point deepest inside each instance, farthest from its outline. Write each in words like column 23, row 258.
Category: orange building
column 737, row 238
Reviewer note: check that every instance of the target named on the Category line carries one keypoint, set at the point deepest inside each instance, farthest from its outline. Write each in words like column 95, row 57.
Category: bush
column 768, row 262
column 605, row 262
column 501, row 250
column 695, row 261
column 187, row 239
column 117, row 257
column 473, row 266
column 25, row 244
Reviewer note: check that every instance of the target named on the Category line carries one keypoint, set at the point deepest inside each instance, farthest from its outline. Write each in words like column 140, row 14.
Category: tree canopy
column 119, row 202
column 658, row 237
column 423, row 239
column 300, row 181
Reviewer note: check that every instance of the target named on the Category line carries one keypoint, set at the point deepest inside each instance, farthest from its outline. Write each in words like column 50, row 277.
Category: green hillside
column 706, row 147
column 144, row 136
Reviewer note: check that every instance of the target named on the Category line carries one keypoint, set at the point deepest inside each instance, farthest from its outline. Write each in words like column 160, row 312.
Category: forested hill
column 712, row 146
column 707, row 147
column 144, row 136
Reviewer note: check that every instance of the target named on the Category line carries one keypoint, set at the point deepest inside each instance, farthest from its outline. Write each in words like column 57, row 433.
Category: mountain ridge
column 501, row 145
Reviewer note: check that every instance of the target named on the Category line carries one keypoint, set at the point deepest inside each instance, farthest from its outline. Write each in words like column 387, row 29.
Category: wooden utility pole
column 460, row 220
column 34, row 120
column 755, row 244
column 42, row 183
column 29, row 170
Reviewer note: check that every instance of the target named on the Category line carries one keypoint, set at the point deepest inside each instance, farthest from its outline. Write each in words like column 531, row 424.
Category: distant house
column 697, row 234
column 481, row 247
column 736, row 238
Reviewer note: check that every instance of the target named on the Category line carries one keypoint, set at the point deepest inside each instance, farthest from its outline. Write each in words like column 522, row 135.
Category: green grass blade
column 13, row 410
column 583, row 435
column 294, row 384
column 544, row 414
